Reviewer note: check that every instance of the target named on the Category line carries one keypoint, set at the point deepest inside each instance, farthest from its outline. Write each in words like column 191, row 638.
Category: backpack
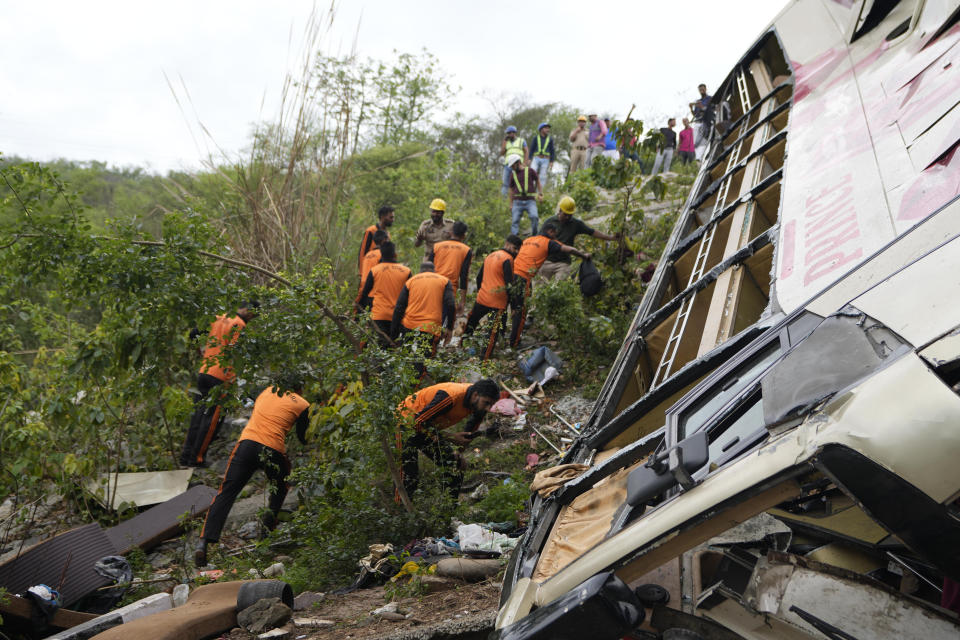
column 589, row 278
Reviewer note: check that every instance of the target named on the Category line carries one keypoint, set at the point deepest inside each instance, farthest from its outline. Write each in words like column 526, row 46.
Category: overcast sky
column 89, row 80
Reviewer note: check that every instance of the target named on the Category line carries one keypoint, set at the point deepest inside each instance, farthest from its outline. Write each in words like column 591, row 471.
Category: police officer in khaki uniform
column 579, row 141
column 434, row 229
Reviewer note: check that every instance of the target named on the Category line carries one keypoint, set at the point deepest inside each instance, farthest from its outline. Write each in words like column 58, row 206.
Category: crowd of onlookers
column 527, row 163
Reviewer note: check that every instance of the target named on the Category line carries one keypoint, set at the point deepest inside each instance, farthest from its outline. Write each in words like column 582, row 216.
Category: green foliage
column 104, row 272
column 580, row 187
column 561, row 313
column 504, row 500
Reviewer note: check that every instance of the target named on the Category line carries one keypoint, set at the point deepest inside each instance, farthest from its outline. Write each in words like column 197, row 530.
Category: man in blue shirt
column 512, row 145
column 543, row 151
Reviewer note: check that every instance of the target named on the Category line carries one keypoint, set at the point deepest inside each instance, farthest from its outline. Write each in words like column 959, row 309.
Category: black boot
column 200, row 554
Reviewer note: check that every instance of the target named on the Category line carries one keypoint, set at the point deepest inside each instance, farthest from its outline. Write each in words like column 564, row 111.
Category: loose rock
column 435, row 584
column 307, row 599
column 180, row 593
column 276, row 633
column 249, row 530
column 263, row 615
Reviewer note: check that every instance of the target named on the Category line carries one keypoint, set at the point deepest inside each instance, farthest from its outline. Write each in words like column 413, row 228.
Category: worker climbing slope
column 424, row 312
column 206, row 418
column 382, row 288
column 385, row 216
column 494, row 281
column 452, row 258
column 533, row 253
column 262, row 445
column 372, row 258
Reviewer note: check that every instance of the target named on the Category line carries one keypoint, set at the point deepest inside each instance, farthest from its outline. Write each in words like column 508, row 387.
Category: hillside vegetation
column 105, row 271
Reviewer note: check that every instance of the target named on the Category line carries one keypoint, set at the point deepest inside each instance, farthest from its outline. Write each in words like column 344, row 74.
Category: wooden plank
column 20, row 608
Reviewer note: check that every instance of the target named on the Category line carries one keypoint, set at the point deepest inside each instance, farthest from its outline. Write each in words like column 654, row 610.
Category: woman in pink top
column 685, row 149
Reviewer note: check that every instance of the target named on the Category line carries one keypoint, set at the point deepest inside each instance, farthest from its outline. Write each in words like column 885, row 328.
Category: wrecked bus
column 776, row 450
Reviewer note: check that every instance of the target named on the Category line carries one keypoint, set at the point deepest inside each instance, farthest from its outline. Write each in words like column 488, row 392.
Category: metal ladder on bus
column 706, row 242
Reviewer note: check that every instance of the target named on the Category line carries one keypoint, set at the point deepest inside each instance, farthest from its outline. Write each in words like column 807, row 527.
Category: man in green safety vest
column 512, row 145
column 525, row 192
column 543, row 151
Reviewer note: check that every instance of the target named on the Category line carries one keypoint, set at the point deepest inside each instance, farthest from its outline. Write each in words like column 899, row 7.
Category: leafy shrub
column 580, row 187
column 504, row 500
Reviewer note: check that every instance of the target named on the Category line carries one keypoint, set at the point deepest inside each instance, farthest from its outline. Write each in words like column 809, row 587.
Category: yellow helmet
column 438, row 205
column 567, row 205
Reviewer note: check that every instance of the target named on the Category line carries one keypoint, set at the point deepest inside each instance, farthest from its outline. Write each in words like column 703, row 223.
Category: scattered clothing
column 480, row 538
column 506, row 407
column 549, row 480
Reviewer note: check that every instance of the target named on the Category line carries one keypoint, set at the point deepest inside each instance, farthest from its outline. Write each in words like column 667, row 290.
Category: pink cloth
column 506, row 407
column 686, row 140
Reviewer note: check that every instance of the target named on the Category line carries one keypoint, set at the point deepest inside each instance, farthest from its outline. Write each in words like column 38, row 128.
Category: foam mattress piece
column 156, row 524
column 141, row 489
column 210, row 609
column 71, row 555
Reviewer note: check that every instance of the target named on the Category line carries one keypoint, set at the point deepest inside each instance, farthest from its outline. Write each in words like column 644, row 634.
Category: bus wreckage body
column 777, row 446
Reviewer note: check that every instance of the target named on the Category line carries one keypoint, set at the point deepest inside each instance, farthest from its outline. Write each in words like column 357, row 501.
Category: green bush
column 580, row 187
column 504, row 500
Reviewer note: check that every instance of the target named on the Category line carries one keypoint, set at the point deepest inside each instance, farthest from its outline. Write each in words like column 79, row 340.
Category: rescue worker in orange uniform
column 432, row 411
column 385, row 217
column 262, row 445
column 372, row 258
column 451, row 258
column 382, row 288
column 425, row 305
column 533, row 253
column 206, row 418
column 493, row 291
